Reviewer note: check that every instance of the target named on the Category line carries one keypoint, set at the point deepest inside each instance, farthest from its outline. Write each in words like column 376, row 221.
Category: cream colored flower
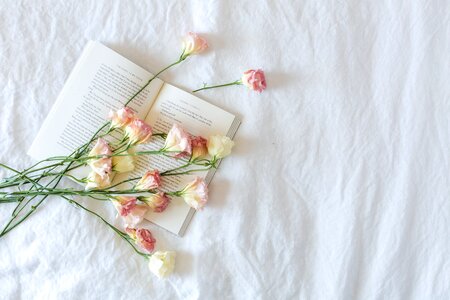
column 195, row 194
column 123, row 163
column 162, row 263
column 219, row 146
column 95, row 181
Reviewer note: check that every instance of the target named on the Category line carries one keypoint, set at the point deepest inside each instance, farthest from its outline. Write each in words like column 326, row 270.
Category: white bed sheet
column 339, row 183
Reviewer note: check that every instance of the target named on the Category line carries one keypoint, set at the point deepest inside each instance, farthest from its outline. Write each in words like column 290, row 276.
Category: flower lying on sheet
column 162, row 263
column 142, row 237
column 254, row 80
column 193, row 44
column 195, row 194
column 219, row 146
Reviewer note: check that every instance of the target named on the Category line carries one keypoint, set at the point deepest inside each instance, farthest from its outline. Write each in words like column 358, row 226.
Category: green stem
column 151, row 79
column 123, row 235
column 237, row 82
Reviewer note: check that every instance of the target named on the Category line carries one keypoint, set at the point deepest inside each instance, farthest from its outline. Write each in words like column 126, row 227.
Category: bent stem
column 123, row 235
column 205, row 87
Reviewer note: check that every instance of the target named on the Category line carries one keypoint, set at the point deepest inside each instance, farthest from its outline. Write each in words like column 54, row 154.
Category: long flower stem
column 10, row 227
column 115, row 229
column 237, row 82
column 151, row 79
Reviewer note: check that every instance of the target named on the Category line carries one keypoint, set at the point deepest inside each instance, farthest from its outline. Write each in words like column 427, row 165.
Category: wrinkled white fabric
column 338, row 187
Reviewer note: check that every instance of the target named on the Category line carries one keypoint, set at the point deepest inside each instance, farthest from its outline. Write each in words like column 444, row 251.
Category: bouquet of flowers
column 29, row 188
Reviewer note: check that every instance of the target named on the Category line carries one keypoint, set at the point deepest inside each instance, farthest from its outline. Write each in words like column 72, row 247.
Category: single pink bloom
column 124, row 204
column 138, row 131
column 195, row 194
column 158, row 202
column 178, row 140
column 194, row 44
column 199, row 148
column 143, row 237
column 101, row 165
column 136, row 215
column 151, row 180
column 254, row 80
column 121, row 117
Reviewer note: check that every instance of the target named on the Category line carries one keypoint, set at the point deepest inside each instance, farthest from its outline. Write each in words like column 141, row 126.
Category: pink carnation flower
column 121, row 117
column 254, row 80
column 138, row 131
column 193, row 44
column 199, row 148
column 131, row 212
column 178, row 140
column 151, row 180
column 195, row 194
column 143, row 237
column 101, row 165
column 158, row 202
column 124, row 204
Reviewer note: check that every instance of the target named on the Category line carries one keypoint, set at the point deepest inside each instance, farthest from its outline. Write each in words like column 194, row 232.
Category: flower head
column 193, row 44
column 138, row 131
column 103, row 164
column 162, row 263
column 178, row 140
column 158, row 202
column 143, row 237
column 131, row 212
column 195, row 194
column 136, row 215
column 121, row 117
column 124, row 204
column 123, row 163
column 199, row 148
column 254, row 80
column 219, row 146
column 151, row 180
column 95, row 181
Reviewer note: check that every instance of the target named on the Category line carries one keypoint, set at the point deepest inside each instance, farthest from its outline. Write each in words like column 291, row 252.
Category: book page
column 198, row 117
column 101, row 80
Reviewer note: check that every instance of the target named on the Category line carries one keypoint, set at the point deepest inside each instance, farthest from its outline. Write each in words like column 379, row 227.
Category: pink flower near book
column 178, row 140
column 143, row 237
column 195, row 194
column 121, row 117
column 138, row 132
column 157, row 202
column 193, row 44
column 254, row 80
column 199, row 149
column 162, row 263
column 102, row 164
column 135, row 216
column 150, row 181
column 124, row 204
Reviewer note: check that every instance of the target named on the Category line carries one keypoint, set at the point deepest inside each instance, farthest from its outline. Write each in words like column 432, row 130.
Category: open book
column 103, row 80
